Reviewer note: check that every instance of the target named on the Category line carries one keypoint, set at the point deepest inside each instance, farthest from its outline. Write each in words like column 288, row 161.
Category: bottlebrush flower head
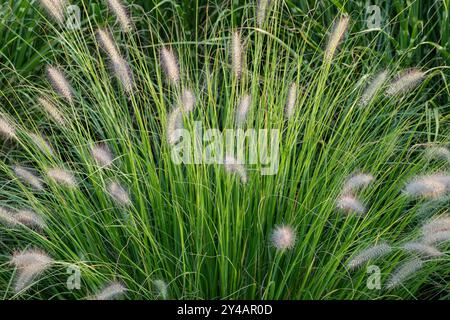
column 373, row 252
column 437, row 153
column 169, row 64
column 283, row 237
column 161, row 288
column 51, row 109
column 261, row 11
column 30, row 263
column 111, row 292
column 356, row 182
column 62, row 177
column 6, row 129
column 290, row 101
column 233, row 166
column 373, row 88
column 243, row 109
column 406, row 81
column 403, row 272
column 174, row 125
column 55, row 9
column 60, row 83
column 7, row 218
column 107, row 43
column 435, row 225
column 337, row 34
column 236, row 54
column 428, row 186
column 122, row 15
column 187, row 100
column 28, row 177
column 422, row 249
column 123, row 72
column 436, row 238
column 102, row 155
column 118, row 193
column 30, row 219
column 41, row 143
column 350, row 204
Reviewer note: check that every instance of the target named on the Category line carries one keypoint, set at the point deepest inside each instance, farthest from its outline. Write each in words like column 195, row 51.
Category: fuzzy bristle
column 373, row 88
column 243, row 109
column 111, row 292
column 283, row 237
column 437, row 224
column 51, row 109
column 118, row 193
column 437, row 153
column 336, row 37
column 102, row 155
column 261, row 11
column 233, row 166
column 290, row 101
column 62, row 177
column 405, row 82
column 30, row 264
column 30, row 219
column 169, row 64
column 122, row 15
column 236, row 54
column 55, row 8
column 403, row 272
column 107, row 43
column 187, row 100
column 422, row 249
column 370, row 253
column 356, row 182
column 41, row 143
column 429, row 186
column 350, row 204
column 174, row 124
column 8, row 218
column 161, row 288
column 60, row 83
column 436, row 238
column 6, row 129
column 28, row 177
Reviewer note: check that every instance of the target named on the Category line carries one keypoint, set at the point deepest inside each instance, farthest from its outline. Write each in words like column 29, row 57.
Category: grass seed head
column 55, row 8
column 6, row 129
column 60, row 83
column 350, row 204
column 233, row 166
column 373, row 252
column 30, row 219
column 243, row 109
column 405, row 82
column 422, row 249
column 373, row 88
column 62, row 177
column 118, row 193
column 51, row 109
column 429, row 186
column 7, row 217
column 122, row 15
column 169, row 64
column 174, row 124
column 403, row 272
column 28, row 177
column 236, row 54
column 290, row 101
column 112, row 291
column 283, row 237
column 102, row 155
column 336, row 36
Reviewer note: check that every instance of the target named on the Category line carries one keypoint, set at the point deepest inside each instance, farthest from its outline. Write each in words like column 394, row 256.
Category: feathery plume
column 423, row 249
column 336, row 37
column 7, row 217
column 283, row 237
column 356, row 182
column 55, row 9
column 187, row 100
column 233, row 166
column 436, row 238
column 169, row 64
column 50, row 108
column 59, row 83
column 111, row 292
column 405, row 271
column 107, row 43
column 350, row 204
column 30, row 219
column 174, row 124
column 290, row 101
column 236, row 54
column 28, row 177
column 370, row 253
column 435, row 225
column 437, row 152
column 161, row 288
column 429, row 186
column 406, row 81
column 62, row 177
column 373, row 88
column 41, row 143
column 261, row 11
column 242, row 109
column 30, row 264
column 102, row 155
column 6, row 129
column 118, row 193
column 122, row 15
column 123, row 72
